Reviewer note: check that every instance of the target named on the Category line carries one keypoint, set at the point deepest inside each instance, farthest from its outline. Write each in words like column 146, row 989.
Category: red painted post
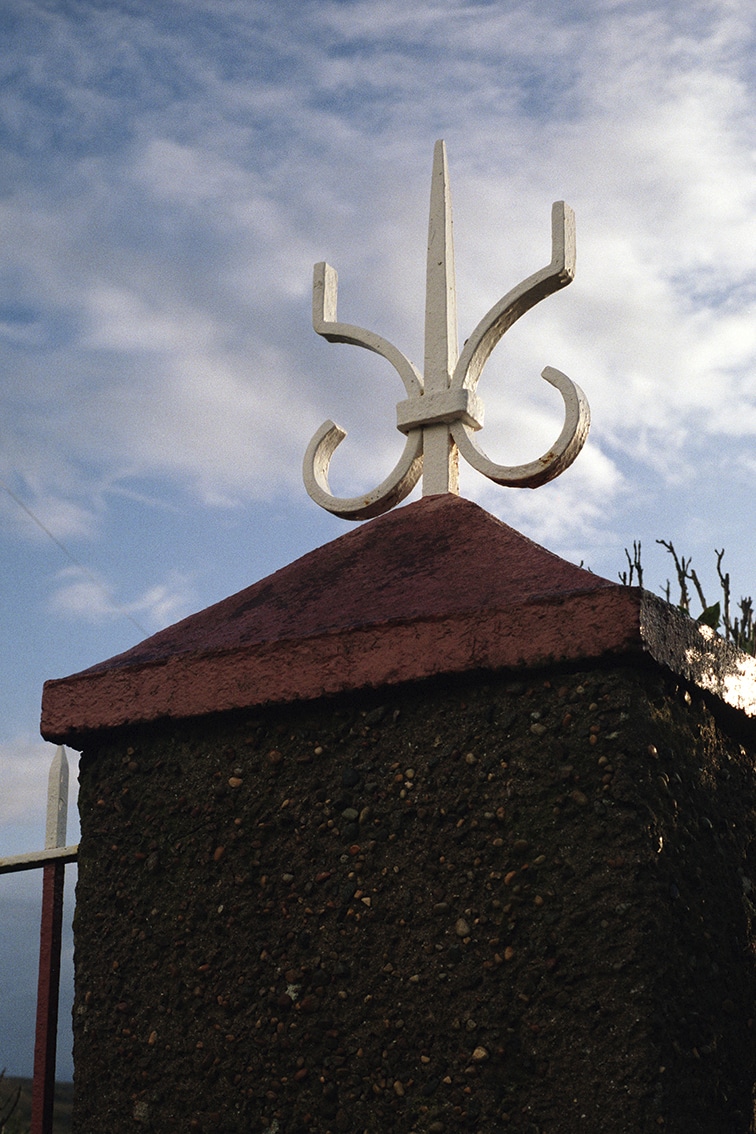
column 45, row 1044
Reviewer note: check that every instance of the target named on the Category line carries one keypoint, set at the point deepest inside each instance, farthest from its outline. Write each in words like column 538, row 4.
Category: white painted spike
column 440, row 286
column 57, row 801
column 440, row 460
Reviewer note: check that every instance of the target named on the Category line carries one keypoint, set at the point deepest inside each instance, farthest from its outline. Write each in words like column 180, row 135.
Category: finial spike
column 440, row 457
column 441, row 287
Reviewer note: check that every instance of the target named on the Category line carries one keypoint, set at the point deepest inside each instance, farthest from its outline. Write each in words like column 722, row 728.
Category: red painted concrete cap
column 439, row 586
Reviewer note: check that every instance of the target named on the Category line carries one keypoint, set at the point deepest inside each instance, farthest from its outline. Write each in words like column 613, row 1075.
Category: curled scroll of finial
column 442, row 410
column 406, row 473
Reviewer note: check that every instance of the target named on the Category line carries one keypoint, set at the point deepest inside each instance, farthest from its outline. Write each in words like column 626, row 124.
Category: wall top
column 442, row 410
column 438, row 587
column 349, row 613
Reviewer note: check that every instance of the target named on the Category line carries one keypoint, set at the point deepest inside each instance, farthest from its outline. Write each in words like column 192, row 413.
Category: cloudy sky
column 170, row 173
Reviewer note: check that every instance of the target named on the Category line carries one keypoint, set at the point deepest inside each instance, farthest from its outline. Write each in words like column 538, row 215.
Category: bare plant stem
column 741, row 631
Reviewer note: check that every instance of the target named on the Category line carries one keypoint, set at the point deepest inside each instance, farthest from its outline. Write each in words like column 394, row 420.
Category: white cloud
column 40, row 515
column 83, row 595
column 122, row 320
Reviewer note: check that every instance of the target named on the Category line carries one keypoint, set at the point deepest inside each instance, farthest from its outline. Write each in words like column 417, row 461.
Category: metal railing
column 52, row 860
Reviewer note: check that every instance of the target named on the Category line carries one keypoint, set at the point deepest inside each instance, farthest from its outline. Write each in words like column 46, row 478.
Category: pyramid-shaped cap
column 437, row 587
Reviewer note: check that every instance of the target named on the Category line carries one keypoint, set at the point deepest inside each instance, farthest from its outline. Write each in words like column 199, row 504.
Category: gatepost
column 430, row 830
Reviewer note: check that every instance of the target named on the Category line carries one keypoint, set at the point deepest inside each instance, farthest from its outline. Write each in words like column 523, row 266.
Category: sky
column 169, row 175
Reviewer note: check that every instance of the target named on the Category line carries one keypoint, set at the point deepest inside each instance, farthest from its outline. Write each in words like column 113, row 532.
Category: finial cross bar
column 442, row 410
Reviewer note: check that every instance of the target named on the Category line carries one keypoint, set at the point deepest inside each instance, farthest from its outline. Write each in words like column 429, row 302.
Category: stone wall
column 487, row 904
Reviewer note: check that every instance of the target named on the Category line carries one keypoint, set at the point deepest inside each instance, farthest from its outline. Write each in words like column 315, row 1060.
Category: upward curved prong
column 494, row 325
column 577, row 420
column 325, row 286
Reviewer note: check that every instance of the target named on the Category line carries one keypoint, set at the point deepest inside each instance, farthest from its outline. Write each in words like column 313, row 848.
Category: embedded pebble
column 462, row 929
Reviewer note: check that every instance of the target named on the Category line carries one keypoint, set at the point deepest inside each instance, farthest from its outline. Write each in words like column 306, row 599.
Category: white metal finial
column 442, row 410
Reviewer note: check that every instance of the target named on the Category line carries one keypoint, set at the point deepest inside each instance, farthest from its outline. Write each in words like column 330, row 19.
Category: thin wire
column 92, row 578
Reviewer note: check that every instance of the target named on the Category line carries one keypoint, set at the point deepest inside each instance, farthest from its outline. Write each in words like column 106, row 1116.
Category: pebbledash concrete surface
column 428, row 831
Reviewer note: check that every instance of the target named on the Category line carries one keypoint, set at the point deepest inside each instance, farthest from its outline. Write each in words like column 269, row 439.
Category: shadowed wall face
column 480, row 903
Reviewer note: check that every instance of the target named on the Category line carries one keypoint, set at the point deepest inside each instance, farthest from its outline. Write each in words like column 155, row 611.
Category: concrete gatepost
column 429, row 831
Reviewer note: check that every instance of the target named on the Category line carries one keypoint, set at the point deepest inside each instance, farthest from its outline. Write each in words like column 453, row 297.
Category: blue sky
column 169, row 175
